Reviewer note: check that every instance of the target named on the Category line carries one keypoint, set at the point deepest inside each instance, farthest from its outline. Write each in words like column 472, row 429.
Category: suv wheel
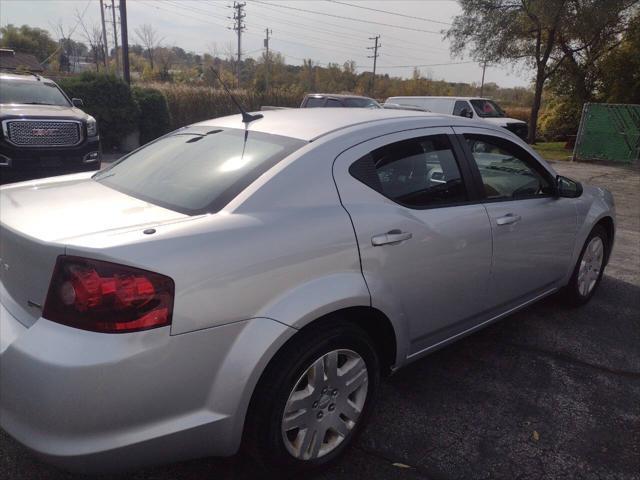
column 314, row 398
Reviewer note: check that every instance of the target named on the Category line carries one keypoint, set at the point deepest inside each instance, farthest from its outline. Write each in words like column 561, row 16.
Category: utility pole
column 375, row 56
column 125, row 41
column 104, row 34
column 238, row 16
column 267, row 59
column 115, row 36
column 484, row 68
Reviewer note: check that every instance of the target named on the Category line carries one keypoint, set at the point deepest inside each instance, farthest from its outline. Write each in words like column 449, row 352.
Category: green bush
column 109, row 100
column 560, row 120
column 155, row 119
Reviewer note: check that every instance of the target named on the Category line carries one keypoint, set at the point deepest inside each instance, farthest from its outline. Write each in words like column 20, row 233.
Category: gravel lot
column 548, row 393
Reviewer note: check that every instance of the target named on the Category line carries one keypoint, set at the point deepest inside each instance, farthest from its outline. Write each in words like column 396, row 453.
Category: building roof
column 10, row 60
column 311, row 123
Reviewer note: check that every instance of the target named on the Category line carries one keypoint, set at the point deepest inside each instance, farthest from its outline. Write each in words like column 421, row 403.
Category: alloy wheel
column 325, row 404
column 590, row 266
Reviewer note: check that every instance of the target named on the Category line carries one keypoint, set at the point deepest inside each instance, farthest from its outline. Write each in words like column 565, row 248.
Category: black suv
column 44, row 133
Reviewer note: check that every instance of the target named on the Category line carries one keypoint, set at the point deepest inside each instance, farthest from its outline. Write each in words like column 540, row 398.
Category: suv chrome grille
column 43, row 133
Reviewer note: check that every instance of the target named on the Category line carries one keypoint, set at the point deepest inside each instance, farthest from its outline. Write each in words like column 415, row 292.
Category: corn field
column 189, row 104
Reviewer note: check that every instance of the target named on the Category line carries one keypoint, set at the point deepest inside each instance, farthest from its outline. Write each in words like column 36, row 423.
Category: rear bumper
column 97, row 403
column 26, row 163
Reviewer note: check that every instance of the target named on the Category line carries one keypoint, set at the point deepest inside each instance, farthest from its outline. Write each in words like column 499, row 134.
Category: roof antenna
column 246, row 117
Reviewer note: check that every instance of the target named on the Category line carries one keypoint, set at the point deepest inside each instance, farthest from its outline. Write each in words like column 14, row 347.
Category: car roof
column 448, row 97
column 23, row 76
column 337, row 95
column 311, row 123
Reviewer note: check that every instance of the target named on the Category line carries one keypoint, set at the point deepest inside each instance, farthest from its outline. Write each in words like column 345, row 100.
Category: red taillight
column 107, row 297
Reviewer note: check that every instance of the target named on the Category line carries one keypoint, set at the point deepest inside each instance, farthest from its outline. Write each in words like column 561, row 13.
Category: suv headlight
column 92, row 127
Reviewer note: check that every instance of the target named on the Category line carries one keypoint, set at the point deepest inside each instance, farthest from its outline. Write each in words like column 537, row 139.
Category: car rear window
column 198, row 169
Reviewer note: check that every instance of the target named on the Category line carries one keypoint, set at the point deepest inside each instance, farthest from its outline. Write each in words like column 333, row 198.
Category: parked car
column 483, row 109
column 330, row 100
column 44, row 133
column 250, row 282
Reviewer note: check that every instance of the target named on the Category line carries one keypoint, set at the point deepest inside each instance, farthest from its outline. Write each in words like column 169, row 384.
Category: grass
column 553, row 151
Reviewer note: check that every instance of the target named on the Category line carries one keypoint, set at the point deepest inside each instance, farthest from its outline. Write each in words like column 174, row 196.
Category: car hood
column 41, row 111
column 501, row 121
column 60, row 209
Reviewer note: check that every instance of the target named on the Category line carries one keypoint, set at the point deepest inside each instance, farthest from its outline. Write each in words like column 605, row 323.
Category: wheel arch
column 374, row 322
column 607, row 223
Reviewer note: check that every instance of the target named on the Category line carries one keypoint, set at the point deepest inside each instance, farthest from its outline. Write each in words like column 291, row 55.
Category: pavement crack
column 568, row 359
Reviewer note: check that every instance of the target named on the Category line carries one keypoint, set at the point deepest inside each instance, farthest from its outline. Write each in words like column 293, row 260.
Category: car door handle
column 508, row 219
column 390, row 238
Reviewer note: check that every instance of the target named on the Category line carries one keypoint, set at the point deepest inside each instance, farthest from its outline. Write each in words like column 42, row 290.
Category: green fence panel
column 609, row 132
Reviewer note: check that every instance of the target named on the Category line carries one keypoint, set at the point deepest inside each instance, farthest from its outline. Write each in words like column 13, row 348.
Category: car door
column 425, row 245
column 533, row 229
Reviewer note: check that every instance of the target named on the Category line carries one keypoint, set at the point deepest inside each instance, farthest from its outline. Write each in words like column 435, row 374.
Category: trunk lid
column 37, row 220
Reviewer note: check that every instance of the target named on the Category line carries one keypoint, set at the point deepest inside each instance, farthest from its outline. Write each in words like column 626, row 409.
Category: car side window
column 507, row 171
column 314, row 102
column 459, row 107
column 417, row 173
column 333, row 103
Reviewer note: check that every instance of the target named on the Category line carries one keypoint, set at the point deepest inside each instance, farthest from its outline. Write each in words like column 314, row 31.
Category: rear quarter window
column 199, row 169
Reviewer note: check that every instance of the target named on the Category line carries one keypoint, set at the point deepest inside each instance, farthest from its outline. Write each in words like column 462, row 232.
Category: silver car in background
column 247, row 284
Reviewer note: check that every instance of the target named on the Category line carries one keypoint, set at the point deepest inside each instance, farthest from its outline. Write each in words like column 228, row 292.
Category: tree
column 541, row 33
column 28, row 39
column 620, row 68
column 149, row 39
column 93, row 36
column 512, row 30
column 593, row 36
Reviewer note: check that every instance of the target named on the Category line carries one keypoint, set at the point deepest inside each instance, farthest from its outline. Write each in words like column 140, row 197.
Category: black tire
column 263, row 438
column 572, row 293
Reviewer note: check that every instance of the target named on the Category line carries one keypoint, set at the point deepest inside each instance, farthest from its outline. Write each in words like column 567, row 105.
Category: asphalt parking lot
column 548, row 393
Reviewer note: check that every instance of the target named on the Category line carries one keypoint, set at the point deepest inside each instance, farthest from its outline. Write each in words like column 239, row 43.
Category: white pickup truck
column 471, row 107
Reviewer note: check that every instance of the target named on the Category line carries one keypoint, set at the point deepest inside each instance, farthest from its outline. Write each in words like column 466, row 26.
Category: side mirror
column 77, row 102
column 567, row 188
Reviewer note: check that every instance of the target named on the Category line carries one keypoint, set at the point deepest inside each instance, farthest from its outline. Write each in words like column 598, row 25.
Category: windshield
column 361, row 103
column 29, row 92
column 198, row 169
column 487, row 108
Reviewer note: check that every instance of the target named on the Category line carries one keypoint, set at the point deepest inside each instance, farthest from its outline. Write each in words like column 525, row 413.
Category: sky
column 325, row 30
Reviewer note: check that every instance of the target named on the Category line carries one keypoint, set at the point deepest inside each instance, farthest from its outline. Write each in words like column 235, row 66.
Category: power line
column 350, row 29
column 248, row 30
column 426, row 65
column 296, row 34
column 389, row 13
column 350, row 18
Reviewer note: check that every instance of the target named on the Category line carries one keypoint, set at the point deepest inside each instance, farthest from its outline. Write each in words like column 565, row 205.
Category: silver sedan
column 235, row 283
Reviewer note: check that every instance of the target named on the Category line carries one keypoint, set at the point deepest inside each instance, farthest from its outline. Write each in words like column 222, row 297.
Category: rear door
column 425, row 245
column 533, row 230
